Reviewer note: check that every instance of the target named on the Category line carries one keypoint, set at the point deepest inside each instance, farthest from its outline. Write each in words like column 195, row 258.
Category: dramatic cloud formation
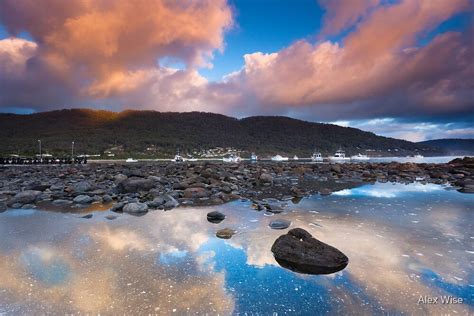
column 108, row 47
column 107, row 53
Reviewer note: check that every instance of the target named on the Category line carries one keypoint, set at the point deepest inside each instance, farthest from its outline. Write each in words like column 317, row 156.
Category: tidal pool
column 403, row 242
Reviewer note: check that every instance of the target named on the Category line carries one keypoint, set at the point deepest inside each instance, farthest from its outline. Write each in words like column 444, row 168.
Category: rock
column 106, row 198
column 25, row 197
column 83, row 199
column 266, row 178
column 110, row 217
column 28, row 206
column 39, row 186
column 193, row 193
column 157, row 202
column 87, row 216
column 119, row 178
column 133, row 208
column 300, row 252
column 325, row 191
column 170, row 202
column 215, row 217
column 118, row 207
column 82, row 186
column 57, row 187
column 3, row 207
column 225, row 233
column 135, row 185
column 279, row 224
column 62, row 202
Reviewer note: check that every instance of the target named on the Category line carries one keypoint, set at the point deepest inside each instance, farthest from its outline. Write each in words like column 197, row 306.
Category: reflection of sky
column 418, row 242
column 389, row 190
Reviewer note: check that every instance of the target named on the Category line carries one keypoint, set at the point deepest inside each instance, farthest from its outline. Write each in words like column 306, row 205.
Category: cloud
column 378, row 69
column 343, row 14
column 99, row 45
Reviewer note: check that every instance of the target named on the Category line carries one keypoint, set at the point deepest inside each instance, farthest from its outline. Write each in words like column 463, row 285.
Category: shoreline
column 139, row 187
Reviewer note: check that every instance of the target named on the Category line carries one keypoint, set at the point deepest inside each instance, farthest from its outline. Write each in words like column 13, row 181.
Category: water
column 403, row 242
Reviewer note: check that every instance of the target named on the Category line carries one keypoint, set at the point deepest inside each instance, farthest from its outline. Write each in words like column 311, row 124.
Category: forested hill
column 132, row 132
column 453, row 146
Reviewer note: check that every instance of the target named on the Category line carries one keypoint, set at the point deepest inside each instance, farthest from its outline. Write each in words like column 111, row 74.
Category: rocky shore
column 138, row 188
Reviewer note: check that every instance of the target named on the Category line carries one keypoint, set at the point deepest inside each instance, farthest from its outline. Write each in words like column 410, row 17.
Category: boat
column 360, row 157
column 295, row 157
column 231, row 158
column 418, row 156
column 279, row 158
column 317, row 157
column 131, row 160
column 191, row 159
column 340, row 155
column 253, row 157
column 177, row 158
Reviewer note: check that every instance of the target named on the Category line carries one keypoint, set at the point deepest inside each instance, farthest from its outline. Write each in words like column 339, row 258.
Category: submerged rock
column 225, row 233
column 110, row 217
column 215, row 217
column 279, row 224
column 300, row 252
column 87, row 216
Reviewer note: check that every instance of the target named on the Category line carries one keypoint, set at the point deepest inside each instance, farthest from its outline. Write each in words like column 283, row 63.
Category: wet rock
column 157, row 202
column 133, row 208
column 83, row 199
column 325, row 191
column 82, row 186
column 118, row 207
column 215, row 217
column 25, row 197
column 62, row 202
column 225, row 233
column 106, row 198
column 39, row 186
column 190, row 193
column 87, row 216
column 279, row 224
column 3, row 207
column 119, row 178
column 300, row 252
column 266, row 178
column 170, row 202
column 110, row 217
column 135, row 185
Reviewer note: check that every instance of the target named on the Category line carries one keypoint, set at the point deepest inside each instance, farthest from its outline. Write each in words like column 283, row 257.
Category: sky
column 399, row 68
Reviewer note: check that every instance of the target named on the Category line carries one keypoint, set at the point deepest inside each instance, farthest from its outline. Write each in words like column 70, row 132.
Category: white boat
column 253, row 157
column 317, row 157
column 131, row 160
column 295, row 157
column 231, row 158
column 191, row 159
column 177, row 158
column 418, row 156
column 279, row 158
column 340, row 155
column 360, row 157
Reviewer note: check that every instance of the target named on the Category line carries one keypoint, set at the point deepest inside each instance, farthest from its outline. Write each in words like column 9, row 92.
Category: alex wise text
column 444, row 299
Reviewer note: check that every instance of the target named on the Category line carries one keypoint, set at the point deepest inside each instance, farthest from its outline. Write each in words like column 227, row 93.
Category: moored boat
column 279, row 158
column 131, row 160
column 177, row 158
column 317, row 157
column 295, row 157
column 231, row 158
column 253, row 157
column 340, row 155
column 360, row 157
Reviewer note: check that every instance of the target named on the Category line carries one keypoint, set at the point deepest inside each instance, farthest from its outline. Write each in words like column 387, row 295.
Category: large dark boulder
column 135, row 185
column 300, row 252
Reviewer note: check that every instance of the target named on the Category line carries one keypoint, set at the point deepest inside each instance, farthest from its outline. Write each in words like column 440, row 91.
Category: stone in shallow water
column 300, row 252
column 279, row 224
column 225, row 233
column 87, row 216
column 135, row 208
column 215, row 217
column 110, row 217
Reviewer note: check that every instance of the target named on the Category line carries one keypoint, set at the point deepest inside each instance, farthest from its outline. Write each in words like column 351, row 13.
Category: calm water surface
column 403, row 242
